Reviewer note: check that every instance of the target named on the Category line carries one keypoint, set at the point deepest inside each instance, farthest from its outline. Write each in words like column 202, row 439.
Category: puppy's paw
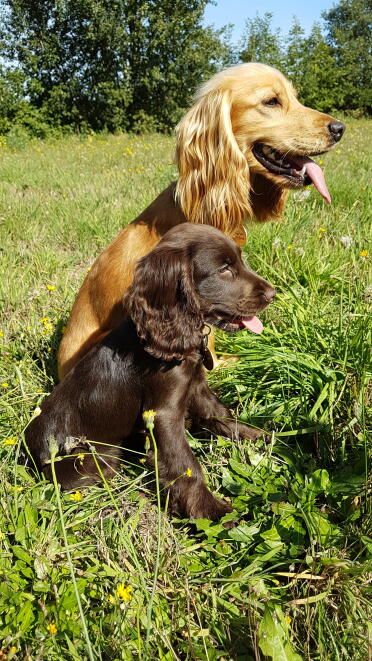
column 206, row 506
column 229, row 525
column 244, row 431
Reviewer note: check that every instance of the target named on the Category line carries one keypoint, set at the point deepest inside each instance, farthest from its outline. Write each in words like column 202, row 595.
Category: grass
column 291, row 580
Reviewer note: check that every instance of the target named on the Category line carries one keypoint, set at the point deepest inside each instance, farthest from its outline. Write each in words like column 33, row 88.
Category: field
column 102, row 573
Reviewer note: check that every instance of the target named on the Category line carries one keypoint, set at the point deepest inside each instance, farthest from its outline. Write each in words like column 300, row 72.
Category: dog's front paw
column 244, row 431
column 204, row 505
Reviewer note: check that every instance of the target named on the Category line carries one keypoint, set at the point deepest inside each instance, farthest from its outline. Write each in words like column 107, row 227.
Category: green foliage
column 291, row 579
column 309, row 64
column 110, row 65
column 261, row 43
column 134, row 66
column 349, row 35
column 11, row 97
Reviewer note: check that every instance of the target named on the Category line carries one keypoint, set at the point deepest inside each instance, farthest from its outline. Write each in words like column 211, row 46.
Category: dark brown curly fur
column 154, row 360
column 163, row 303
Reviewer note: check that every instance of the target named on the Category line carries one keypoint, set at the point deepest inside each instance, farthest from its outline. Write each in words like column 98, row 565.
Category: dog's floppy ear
column 213, row 184
column 163, row 305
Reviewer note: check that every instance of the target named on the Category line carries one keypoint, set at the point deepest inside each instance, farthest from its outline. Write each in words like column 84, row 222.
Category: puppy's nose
column 336, row 130
column 269, row 294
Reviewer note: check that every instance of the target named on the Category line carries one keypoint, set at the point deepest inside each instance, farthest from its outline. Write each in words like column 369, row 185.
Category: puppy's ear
column 163, row 304
column 267, row 199
column 213, row 184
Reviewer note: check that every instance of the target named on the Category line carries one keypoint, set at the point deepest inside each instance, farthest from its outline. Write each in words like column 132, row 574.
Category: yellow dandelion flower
column 149, row 417
column 363, row 253
column 76, row 496
column 10, row 441
column 44, row 320
column 5, row 384
column 321, row 229
column 288, row 619
column 13, row 649
column 1, row 333
column 50, row 287
column 188, row 473
column 52, row 629
column 320, row 162
column 289, row 247
column 124, row 592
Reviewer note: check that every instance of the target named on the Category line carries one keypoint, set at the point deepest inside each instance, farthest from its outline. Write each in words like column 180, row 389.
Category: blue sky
column 237, row 11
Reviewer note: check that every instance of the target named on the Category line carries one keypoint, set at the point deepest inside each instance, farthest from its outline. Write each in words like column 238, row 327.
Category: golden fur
column 220, row 183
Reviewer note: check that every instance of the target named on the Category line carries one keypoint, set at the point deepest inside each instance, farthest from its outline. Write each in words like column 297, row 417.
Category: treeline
column 134, row 64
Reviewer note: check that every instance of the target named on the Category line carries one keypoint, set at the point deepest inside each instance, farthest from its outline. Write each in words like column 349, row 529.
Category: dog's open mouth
column 300, row 170
column 239, row 323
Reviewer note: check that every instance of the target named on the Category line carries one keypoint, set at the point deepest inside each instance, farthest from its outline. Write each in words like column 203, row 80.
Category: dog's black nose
column 269, row 294
column 336, row 130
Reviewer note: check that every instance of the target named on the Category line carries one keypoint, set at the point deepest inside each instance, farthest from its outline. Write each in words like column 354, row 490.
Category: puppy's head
column 194, row 276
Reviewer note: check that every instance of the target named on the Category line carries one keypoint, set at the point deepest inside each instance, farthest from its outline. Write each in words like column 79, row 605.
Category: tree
column 349, row 37
column 261, row 43
column 110, row 63
column 293, row 55
column 321, row 81
column 11, row 96
column 311, row 67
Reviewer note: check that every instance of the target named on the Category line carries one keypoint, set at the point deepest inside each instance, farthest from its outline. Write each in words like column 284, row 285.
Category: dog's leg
column 85, row 466
column 208, row 412
column 180, row 473
column 224, row 359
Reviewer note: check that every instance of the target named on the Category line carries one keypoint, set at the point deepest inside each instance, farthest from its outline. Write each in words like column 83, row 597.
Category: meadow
column 102, row 573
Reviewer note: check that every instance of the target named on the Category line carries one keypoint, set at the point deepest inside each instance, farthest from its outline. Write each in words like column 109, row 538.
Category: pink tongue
column 316, row 175
column 253, row 324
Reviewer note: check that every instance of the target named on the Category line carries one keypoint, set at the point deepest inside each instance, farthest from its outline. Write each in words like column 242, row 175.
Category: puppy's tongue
column 315, row 173
column 253, row 323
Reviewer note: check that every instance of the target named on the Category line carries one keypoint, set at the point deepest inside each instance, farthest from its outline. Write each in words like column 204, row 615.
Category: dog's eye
column 225, row 270
column 274, row 101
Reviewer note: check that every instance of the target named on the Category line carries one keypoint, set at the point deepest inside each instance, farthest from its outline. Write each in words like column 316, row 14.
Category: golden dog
column 245, row 141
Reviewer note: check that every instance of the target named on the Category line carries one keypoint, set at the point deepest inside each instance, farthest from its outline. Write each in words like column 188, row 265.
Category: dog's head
column 194, row 276
column 243, row 143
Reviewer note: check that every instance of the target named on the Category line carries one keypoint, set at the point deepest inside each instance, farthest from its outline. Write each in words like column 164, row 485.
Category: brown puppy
column 154, row 360
column 244, row 142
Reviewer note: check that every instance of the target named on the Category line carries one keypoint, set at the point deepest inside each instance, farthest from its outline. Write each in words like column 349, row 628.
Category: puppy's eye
column 274, row 101
column 225, row 270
